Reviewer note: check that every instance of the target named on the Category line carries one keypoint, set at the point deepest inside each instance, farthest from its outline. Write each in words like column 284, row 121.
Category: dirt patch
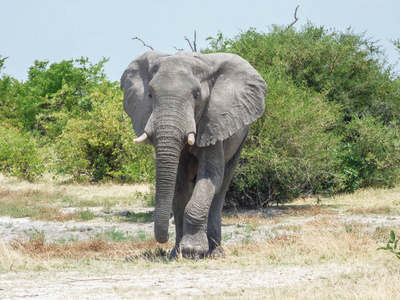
column 159, row 283
column 253, row 225
column 278, row 253
column 24, row 228
column 152, row 280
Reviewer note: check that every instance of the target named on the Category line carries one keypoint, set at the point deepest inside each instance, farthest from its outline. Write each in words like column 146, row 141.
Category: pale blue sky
column 57, row 30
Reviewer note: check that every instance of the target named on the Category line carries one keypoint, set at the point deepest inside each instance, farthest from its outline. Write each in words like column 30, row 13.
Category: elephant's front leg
column 187, row 172
column 208, row 183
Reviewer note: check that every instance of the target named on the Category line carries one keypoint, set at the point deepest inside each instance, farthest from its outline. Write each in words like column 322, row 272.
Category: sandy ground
column 158, row 283
column 23, row 228
column 151, row 282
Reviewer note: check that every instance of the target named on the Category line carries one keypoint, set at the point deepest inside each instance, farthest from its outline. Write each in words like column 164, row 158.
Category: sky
column 55, row 30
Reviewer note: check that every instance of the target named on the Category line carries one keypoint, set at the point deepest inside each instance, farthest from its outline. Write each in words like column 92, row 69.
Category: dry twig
column 295, row 18
column 194, row 48
column 144, row 44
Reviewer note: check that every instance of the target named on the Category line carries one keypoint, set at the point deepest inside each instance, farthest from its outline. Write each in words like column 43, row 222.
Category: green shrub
column 19, row 154
column 290, row 150
column 369, row 154
column 332, row 114
column 343, row 67
column 77, row 120
column 100, row 144
column 331, row 122
column 55, row 90
column 392, row 245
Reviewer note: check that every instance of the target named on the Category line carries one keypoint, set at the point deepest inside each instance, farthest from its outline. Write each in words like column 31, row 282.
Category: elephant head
column 187, row 100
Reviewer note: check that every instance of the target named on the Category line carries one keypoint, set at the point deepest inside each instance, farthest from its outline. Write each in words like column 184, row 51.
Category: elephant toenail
column 188, row 248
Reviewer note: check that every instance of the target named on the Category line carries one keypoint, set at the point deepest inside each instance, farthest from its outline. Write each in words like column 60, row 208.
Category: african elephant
column 195, row 109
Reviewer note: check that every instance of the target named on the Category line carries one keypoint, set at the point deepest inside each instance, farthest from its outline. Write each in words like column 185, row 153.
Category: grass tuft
column 98, row 248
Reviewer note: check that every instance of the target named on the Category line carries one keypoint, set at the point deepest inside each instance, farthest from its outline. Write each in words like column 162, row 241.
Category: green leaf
column 392, row 235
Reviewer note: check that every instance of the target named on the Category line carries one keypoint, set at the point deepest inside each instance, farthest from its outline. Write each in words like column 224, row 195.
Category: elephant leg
column 208, row 184
column 214, row 218
column 187, row 171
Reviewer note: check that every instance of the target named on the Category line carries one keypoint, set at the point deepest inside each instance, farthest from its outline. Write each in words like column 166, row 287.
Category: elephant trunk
column 167, row 160
column 169, row 139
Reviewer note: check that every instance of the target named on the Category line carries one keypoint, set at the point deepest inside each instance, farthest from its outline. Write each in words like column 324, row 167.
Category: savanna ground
column 64, row 240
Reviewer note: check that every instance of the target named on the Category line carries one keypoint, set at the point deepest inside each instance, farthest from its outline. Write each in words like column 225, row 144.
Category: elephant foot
column 194, row 243
column 174, row 254
column 217, row 252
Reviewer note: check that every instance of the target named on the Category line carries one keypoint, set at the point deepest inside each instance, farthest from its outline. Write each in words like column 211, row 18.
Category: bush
column 290, row 149
column 331, row 122
column 332, row 114
column 369, row 154
column 72, row 114
column 343, row 67
column 49, row 91
column 19, row 154
column 100, row 144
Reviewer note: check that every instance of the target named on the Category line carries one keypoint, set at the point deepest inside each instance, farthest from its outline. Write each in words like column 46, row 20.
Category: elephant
column 195, row 109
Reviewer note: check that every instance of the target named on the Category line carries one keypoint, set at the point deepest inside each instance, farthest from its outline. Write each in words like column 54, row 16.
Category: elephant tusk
column 140, row 139
column 191, row 139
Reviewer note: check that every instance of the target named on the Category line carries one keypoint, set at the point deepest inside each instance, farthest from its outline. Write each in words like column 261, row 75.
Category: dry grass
column 369, row 200
column 38, row 205
column 92, row 249
column 121, row 193
column 304, row 210
column 364, row 282
column 46, row 199
column 32, row 203
column 255, row 218
column 273, row 215
column 320, row 241
column 327, row 239
column 376, row 210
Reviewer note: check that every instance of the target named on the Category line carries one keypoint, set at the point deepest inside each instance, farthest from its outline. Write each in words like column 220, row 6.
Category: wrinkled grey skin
column 214, row 96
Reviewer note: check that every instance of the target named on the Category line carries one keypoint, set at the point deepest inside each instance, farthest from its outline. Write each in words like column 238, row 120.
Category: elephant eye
column 197, row 96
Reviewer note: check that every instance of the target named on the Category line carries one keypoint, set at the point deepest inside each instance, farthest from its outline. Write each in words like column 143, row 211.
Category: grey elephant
column 195, row 109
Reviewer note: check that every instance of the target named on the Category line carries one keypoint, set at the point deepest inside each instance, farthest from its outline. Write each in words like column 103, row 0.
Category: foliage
column 19, row 154
column 101, row 144
column 2, row 60
column 331, row 122
column 369, row 154
column 9, row 87
column 60, row 88
column 396, row 43
column 77, row 118
column 218, row 44
column 332, row 114
column 392, row 245
column 290, row 149
column 344, row 67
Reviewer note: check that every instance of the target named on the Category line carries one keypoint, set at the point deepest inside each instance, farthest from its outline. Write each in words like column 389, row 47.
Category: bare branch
column 295, row 18
column 190, row 44
column 178, row 49
column 194, row 47
column 194, row 42
column 144, row 44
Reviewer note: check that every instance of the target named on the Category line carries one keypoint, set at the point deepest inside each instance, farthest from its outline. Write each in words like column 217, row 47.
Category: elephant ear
column 135, row 84
column 237, row 98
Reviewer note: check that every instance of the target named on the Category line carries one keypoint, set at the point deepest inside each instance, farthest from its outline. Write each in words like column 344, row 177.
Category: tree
column 332, row 114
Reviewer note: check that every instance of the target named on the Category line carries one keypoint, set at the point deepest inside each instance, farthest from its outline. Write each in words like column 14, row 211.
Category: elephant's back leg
column 215, row 213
